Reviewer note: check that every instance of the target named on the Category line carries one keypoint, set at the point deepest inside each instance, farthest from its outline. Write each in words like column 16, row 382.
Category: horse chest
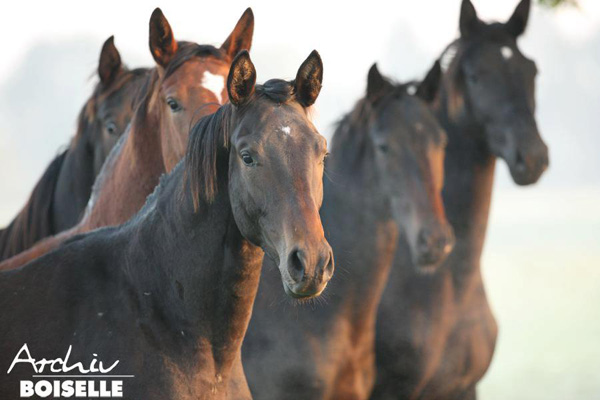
column 460, row 344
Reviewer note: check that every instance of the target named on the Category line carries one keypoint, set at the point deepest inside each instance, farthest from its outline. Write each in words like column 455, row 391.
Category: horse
column 436, row 333
column 169, row 293
column 385, row 180
column 59, row 198
column 187, row 83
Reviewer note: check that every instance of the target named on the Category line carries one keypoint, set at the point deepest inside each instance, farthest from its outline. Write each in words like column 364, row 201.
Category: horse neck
column 201, row 275
column 133, row 173
column 469, row 178
column 359, row 226
column 74, row 184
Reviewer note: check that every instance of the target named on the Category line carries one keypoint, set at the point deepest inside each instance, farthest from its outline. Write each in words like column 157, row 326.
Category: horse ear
column 162, row 43
column 309, row 79
column 241, row 79
column 377, row 84
column 110, row 62
column 468, row 18
column 518, row 21
column 429, row 87
column 241, row 36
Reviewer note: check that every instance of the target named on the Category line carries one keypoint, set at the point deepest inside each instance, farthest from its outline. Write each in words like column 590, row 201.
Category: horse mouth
column 524, row 177
column 302, row 295
column 429, row 268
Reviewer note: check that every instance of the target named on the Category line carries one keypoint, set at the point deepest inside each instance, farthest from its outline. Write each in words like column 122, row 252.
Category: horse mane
column 209, row 139
column 349, row 138
column 452, row 83
column 34, row 221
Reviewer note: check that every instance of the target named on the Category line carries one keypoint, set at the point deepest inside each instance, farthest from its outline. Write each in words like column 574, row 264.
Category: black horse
column 169, row 293
column 61, row 195
column 436, row 333
column 385, row 178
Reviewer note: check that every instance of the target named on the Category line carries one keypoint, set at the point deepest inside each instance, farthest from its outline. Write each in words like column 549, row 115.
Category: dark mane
column 189, row 50
column 349, row 139
column 35, row 220
column 209, row 139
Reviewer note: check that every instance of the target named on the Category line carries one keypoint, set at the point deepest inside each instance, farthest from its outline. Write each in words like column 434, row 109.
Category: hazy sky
column 52, row 53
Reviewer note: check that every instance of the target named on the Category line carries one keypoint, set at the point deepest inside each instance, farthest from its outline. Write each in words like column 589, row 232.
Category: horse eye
column 383, row 147
column 173, row 104
column 472, row 78
column 247, row 158
column 111, row 128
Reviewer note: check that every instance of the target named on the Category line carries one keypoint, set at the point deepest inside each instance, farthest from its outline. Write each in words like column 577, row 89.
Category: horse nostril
column 424, row 240
column 520, row 161
column 296, row 265
column 450, row 239
column 329, row 266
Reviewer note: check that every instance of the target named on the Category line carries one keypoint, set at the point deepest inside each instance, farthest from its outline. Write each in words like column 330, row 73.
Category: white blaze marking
column 286, row 129
column 507, row 52
column 214, row 83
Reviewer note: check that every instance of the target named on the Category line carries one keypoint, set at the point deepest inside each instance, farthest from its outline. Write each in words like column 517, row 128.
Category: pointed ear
column 377, row 84
column 518, row 21
column 110, row 62
column 469, row 21
column 309, row 79
column 241, row 79
column 429, row 87
column 162, row 42
column 241, row 36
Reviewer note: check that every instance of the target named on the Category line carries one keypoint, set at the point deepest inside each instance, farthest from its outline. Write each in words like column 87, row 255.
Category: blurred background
column 541, row 262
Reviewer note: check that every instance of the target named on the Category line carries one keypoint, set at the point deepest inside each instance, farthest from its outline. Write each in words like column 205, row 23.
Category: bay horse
column 386, row 174
column 169, row 293
column 187, row 83
column 436, row 333
column 59, row 198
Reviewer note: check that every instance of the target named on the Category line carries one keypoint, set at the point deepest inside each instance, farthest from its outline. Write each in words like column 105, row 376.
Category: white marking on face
column 411, row 89
column 448, row 57
column 419, row 127
column 214, row 83
column 286, row 129
column 506, row 52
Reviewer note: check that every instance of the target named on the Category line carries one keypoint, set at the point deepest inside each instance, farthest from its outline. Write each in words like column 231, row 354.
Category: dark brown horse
column 169, row 294
column 436, row 333
column 385, row 178
column 187, row 83
column 59, row 198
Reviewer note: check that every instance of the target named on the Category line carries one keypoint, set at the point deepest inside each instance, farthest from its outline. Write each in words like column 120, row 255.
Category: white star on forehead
column 506, row 52
column 285, row 129
column 214, row 83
